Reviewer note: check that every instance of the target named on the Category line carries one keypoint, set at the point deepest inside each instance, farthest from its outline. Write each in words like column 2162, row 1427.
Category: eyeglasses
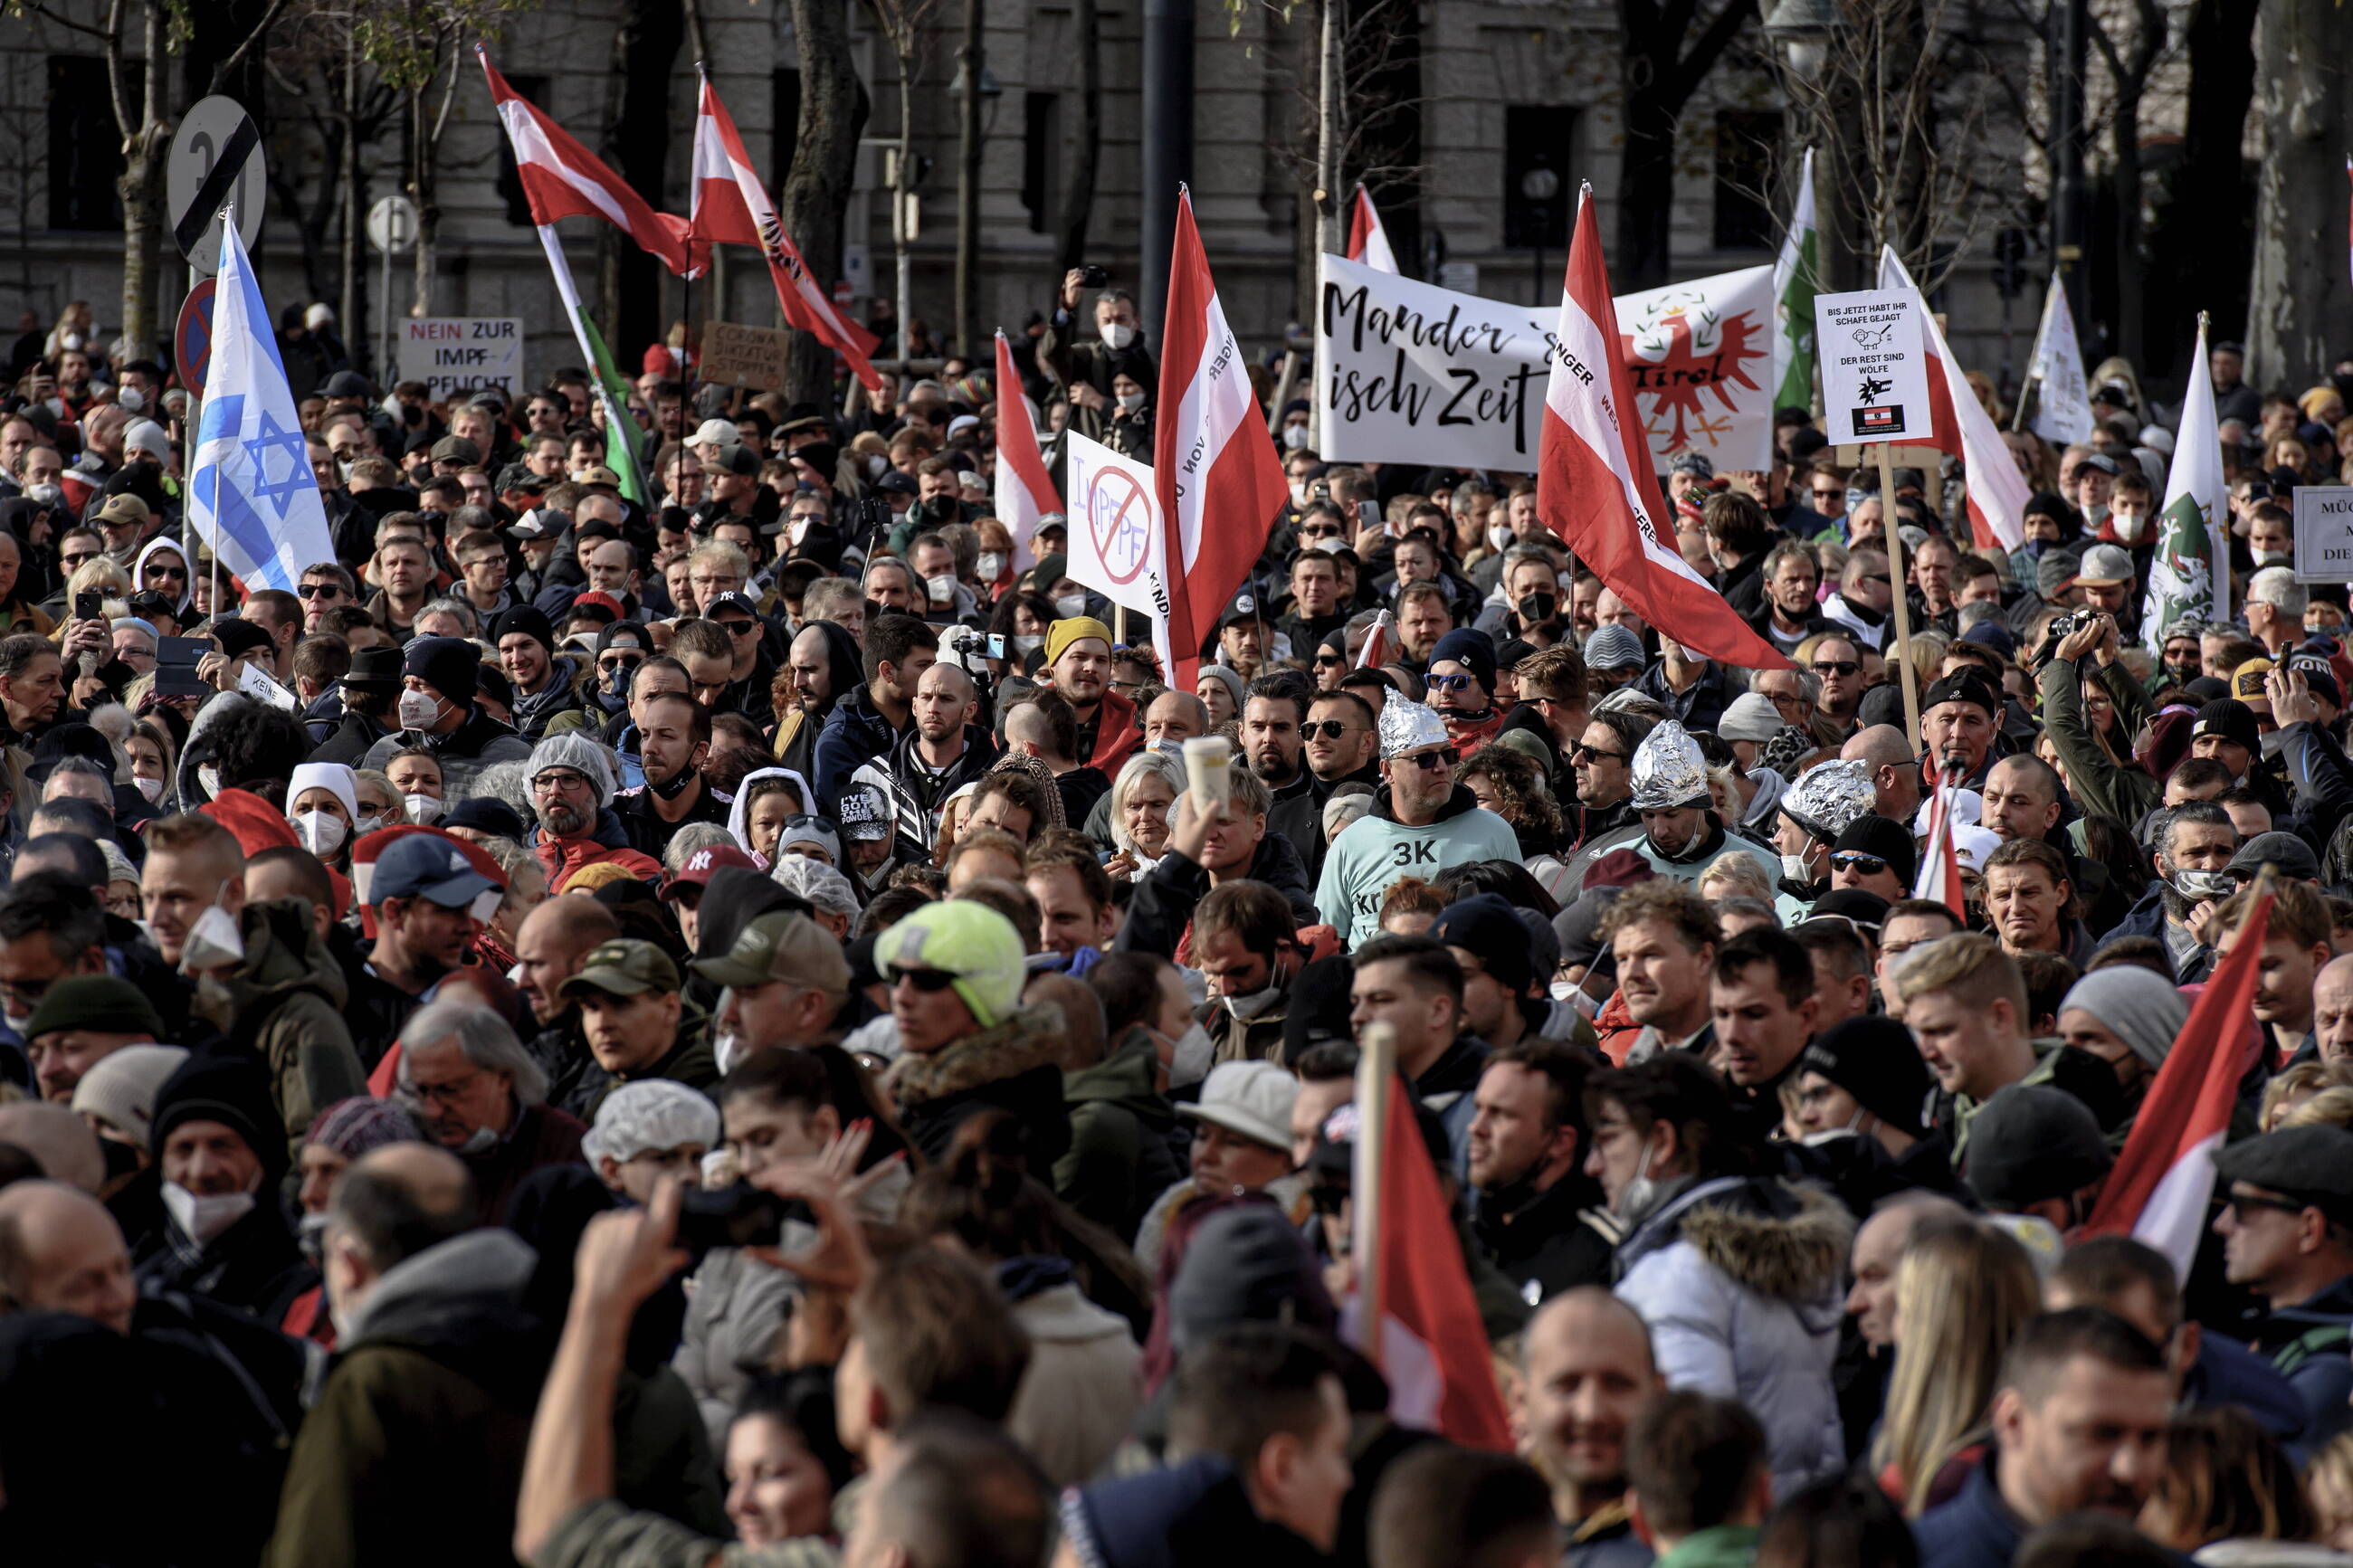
column 1856, row 861
column 1323, row 730
column 1837, row 666
column 1448, row 682
column 2239, row 1202
column 928, row 980
column 1430, row 760
column 442, row 1093
column 552, row 781
column 1584, row 753
column 319, row 590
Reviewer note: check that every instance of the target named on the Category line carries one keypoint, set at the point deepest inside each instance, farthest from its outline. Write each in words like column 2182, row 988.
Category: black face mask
column 1538, row 608
column 676, row 786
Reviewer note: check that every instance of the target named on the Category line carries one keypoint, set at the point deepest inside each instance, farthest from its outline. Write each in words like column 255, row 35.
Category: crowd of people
column 723, row 1026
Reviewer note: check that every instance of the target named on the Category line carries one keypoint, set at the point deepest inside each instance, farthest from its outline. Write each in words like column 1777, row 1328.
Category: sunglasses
column 924, row 980
column 1828, row 495
column 1323, row 729
column 611, row 665
column 319, row 590
column 739, row 628
column 2239, row 1202
column 1329, row 659
column 1428, row 761
column 1584, row 753
column 181, row 572
column 1448, row 682
column 1857, row 861
column 1881, row 578
column 1837, row 666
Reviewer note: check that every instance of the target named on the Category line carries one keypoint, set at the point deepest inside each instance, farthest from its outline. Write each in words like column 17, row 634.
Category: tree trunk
column 817, row 191
column 421, row 185
column 1331, row 130
column 1078, row 204
column 1659, row 74
column 2299, row 289
column 2208, row 231
column 967, row 260
column 142, row 186
column 352, row 302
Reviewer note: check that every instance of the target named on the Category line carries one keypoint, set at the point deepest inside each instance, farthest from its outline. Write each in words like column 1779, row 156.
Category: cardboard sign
column 2324, row 533
column 1875, row 368
column 454, row 355
column 736, row 356
column 1115, row 539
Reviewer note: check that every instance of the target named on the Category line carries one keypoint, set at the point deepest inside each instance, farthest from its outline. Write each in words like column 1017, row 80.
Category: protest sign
column 2324, row 533
column 1114, row 535
column 454, row 355
column 736, row 356
column 1409, row 373
column 1874, row 370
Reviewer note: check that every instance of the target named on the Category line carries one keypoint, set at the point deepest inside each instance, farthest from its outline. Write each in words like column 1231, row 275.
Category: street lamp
column 1801, row 30
column 1541, row 186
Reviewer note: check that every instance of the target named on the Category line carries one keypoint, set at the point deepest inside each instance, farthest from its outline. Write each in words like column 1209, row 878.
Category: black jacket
column 650, row 831
column 1161, row 907
column 1544, row 1243
column 1297, row 816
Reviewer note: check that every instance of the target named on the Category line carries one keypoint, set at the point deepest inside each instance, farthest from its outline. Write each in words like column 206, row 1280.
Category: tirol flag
column 731, row 208
column 2063, row 410
column 1024, row 491
column 252, row 498
column 1368, row 242
column 1213, row 462
column 1960, row 427
column 2187, row 575
column 1797, row 278
column 1940, row 867
column 561, row 178
column 1594, row 485
column 2164, row 1178
column 1432, row 1347
column 1701, row 358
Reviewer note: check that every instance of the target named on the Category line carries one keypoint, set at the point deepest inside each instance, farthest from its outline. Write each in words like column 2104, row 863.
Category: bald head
column 393, row 1204
column 1593, row 1316
column 1176, row 716
column 62, row 1142
column 1589, row 1369
column 2332, row 1009
column 575, row 920
column 1880, row 746
column 61, row 1251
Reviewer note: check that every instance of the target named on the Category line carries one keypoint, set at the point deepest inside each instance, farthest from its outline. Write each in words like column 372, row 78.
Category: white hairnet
column 826, row 888
column 657, row 1114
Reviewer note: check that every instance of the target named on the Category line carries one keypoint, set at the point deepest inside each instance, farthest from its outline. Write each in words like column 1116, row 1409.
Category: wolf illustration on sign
column 1872, row 387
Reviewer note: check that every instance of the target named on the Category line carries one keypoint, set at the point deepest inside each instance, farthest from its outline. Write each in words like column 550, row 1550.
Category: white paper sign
column 454, row 355
column 1114, row 534
column 260, row 684
column 2324, row 533
column 1413, row 373
column 1875, row 368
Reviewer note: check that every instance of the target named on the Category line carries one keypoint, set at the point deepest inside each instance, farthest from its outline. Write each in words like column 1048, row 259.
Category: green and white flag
column 1797, row 278
column 2189, row 576
column 612, row 392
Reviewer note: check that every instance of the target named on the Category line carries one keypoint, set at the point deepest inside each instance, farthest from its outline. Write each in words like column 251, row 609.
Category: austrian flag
column 562, row 179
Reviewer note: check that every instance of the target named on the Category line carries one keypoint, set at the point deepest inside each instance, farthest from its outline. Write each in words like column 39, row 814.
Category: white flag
column 2189, row 576
column 2062, row 412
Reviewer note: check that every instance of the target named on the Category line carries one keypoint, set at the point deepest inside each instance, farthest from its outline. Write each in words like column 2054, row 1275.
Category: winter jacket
column 1975, row 1530
column 608, row 840
column 2306, row 1344
column 1297, row 819
column 1685, row 867
column 478, row 743
column 855, row 733
column 1196, row 1514
column 541, row 1136
column 1160, row 909
column 253, row 1266
column 1377, row 849
column 1118, row 732
column 1724, row 1546
column 1082, row 1387
column 431, row 1399
column 2101, row 784
column 691, row 1060
column 917, row 795
column 1545, row 1243
column 1015, row 1066
column 1071, row 350
column 1449, row 1088
column 1121, row 1156
column 285, row 1003
column 735, row 1306
column 2227, row 1372
column 350, row 742
column 649, row 832
column 1742, row 1283
column 560, row 695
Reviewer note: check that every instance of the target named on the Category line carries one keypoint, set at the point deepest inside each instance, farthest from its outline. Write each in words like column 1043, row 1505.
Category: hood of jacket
column 437, row 1296
column 1031, row 1038
column 169, row 546
column 564, row 673
column 739, row 810
column 1125, row 1078
column 1785, row 1242
column 1461, row 801
column 284, row 954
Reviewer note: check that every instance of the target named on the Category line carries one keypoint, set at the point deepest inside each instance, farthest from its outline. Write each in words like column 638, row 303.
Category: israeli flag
column 252, row 498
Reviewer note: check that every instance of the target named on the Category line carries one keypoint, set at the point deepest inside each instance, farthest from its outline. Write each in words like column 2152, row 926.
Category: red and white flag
column 1368, row 242
column 1940, row 867
column 1960, row 427
column 2163, row 1181
column 1594, row 485
column 731, row 208
column 1024, row 491
column 1213, row 463
column 1380, row 642
column 561, row 178
column 1433, row 1344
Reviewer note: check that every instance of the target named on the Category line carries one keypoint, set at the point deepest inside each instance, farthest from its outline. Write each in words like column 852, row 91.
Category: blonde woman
column 1734, row 874
column 1962, row 1293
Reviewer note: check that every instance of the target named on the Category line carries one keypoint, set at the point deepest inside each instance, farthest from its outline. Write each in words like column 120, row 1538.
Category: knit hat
column 1485, row 924
column 971, row 941
column 97, row 1004
column 120, row 1086
column 1317, row 1009
column 1231, row 678
column 1471, row 649
column 1873, row 1057
column 233, row 1091
column 527, row 619
column 353, row 1127
column 2141, row 1007
column 1888, row 840
column 336, row 778
column 2032, row 1142
column 2232, row 720
column 1750, row 716
column 1062, row 633
column 1246, row 1265
column 445, row 664
column 640, row 1118
column 237, row 638
column 584, row 756
column 485, row 813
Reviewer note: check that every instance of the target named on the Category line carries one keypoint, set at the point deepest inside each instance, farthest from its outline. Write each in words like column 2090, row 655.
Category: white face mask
column 1793, row 867
column 940, row 590
column 875, row 465
column 208, row 779
column 423, row 809
column 1499, row 537
column 991, row 566
column 1245, row 1008
column 1070, row 606
column 1294, row 439
column 366, row 825
column 1129, row 402
column 1299, row 492
column 131, row 400
column 1642, row 1194
column 152, row 788
column 725, row 1046
column 418, row 710
column 1116, row 334
column 1024, row 642
column 204, row 1218
column 1189, row 1062
column 213, row 941
column 2128, row 529
column 321, row 831
column 2268, row 557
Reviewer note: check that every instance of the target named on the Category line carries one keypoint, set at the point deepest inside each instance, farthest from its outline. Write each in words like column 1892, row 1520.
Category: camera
column 1094, row 277
column 740, row 1215
column 968, row 649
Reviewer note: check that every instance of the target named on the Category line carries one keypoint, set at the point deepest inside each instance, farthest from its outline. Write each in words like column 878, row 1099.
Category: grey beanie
column 582, row 755
column 2141, row 1006
column 1246, row 1265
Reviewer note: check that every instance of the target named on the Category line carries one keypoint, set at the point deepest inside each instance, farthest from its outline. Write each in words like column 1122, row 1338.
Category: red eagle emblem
column 1683, row 358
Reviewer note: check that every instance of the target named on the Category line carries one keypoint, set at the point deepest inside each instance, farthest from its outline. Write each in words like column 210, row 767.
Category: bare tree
column 2298, row 290
column 1079, row 203
column 1669, row 47
column 816, row 194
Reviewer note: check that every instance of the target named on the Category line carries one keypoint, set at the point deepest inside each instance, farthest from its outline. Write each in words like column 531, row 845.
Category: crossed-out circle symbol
column 1117, row 514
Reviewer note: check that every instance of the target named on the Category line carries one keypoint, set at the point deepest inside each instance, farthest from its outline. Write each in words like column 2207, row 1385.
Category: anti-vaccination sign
column 1874, row 365
column 457, row 354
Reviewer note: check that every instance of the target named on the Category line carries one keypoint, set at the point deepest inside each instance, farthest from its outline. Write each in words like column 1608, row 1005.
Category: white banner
column 2063, row 413
column 1114, row 527
column 453, row 354
column 1408, row 373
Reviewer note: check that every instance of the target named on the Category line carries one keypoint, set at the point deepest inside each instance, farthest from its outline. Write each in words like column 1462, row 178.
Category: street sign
column 215, row 162
column 391, row 226
column 191, row 339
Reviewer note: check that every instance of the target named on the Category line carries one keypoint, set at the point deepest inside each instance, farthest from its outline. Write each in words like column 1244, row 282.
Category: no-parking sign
column 1114, row 532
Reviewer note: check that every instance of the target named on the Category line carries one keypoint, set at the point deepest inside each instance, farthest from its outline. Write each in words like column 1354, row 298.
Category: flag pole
column 1376, row 1082
column 1896, row 582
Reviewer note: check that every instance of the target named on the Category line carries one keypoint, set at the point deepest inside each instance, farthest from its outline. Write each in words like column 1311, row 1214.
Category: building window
column 1539, row 195
column 530, row 90
column 786, row 132
column 85, row 144
column 1745, row 139
column 1041, row 159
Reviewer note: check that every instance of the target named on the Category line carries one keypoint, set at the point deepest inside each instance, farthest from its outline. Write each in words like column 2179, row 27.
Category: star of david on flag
column 252, row 499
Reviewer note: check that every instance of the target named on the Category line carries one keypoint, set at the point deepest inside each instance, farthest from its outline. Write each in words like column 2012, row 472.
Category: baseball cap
column 807, row 828
column 1245, row 607
column 623, row 967
column 597, row 474
column 737, row 459
column 122, row 509
column 970, row 942
column 864, row 815
column 782, row 944
column 1251, row 1099
column 716, row 433
column 539, row 522
column 734, row 599
column 427, row 866
column 702, row 865
column 2106, row 564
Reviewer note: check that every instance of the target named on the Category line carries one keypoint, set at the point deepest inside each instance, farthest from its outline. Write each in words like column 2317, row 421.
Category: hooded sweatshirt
column 170, row 547
column 1377, row 849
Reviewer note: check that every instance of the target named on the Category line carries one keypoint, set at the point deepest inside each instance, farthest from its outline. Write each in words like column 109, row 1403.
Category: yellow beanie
column 1063, row 633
